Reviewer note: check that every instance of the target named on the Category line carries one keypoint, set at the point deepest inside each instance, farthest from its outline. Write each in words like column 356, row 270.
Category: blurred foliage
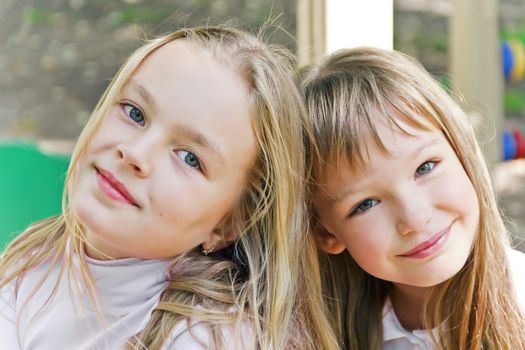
column 516, row 31
column 38, row 16
column 57, row 56
column 139, row 14
column 440, row 43
column 445, row 81
column 424, row 36
column 514, row 100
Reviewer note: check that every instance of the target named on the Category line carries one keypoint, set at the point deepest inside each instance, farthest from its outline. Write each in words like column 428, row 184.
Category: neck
column 90, row 247
column 408, row 302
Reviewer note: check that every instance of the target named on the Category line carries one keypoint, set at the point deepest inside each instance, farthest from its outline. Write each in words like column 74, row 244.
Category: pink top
column 129, row 289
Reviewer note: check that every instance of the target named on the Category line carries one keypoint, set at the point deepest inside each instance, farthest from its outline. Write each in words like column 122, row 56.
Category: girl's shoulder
column 15, row 295
column 516, row 261
column 191, row 334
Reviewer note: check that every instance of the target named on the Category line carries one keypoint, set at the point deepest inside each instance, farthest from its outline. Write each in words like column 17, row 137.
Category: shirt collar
column 392, row 328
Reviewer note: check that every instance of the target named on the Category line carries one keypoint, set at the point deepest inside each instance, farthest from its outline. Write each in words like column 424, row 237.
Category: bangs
column 347, row 110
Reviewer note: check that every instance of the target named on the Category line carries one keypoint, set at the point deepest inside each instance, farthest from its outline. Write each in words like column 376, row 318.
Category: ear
column 220, row 238
column 327, row 241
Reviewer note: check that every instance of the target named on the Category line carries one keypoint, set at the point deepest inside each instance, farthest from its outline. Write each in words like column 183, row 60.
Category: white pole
column 324, row 26
column 353, row 23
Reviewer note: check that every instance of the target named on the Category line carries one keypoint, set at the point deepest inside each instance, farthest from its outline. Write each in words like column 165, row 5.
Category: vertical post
column 476, row 69
column 311, row 23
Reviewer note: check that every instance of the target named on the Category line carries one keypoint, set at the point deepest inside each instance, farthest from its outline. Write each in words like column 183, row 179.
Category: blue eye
column 189, row 158
column 134, row 114
column 365, row 205
column 425, row 168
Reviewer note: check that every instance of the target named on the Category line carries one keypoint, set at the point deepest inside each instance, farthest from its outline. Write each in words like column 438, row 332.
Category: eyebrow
column 145, row 94
column 203, row 141
column 424, row 145
column 336, row 199
column 189, row 132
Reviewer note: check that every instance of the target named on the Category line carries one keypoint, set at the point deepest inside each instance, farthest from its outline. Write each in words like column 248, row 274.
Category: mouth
column 430, row 246
column 113, row 188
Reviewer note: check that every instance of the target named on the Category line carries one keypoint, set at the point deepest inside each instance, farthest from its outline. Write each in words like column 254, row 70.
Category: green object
column 31, row 186
column 514, row 101
column 445, row 82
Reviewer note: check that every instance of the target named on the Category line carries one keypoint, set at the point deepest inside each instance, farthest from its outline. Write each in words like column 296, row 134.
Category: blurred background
column 58, row 56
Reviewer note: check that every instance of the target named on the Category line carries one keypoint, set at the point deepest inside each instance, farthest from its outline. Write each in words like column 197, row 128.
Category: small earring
column 206, row 252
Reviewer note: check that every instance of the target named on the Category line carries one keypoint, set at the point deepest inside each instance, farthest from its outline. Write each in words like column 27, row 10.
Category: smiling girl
column 418, row 256
column 182, row 210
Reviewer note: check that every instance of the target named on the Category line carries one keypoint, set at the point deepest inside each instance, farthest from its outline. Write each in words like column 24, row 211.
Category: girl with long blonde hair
column 417, row 253
column 183, row 221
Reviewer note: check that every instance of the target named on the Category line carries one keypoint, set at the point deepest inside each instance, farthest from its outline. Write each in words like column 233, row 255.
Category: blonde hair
column 343, row 95
column 259, row 278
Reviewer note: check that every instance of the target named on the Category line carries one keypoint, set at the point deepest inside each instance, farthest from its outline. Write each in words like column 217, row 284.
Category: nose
column 414, row 214
column 136, row 155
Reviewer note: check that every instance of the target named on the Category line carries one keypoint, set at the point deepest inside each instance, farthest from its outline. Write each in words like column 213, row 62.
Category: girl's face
column 170, row 158
column 409, row 217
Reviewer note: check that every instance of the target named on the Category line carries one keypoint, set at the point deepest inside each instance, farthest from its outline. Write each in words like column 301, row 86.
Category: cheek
column 80, row 178
column 171, row 198
column 470, row 198
column 182, row 199
column 470, row 205
column 456, row 192
column 368, row 243
column 85, row 206
column 106, row 134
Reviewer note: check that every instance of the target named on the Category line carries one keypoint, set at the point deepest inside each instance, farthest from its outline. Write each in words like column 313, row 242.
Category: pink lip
column 114, row 188
column 430, row 246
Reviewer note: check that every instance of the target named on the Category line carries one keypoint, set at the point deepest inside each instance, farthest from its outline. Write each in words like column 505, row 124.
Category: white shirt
column 128, row 290
column 395, row 337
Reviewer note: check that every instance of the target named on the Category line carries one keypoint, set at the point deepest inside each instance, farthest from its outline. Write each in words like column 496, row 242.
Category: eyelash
column 428, row 162
column 359, row 208
column 131, row 107
column 198, row 166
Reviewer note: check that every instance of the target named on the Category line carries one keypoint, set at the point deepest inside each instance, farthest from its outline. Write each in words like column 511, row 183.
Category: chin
column 434, row 278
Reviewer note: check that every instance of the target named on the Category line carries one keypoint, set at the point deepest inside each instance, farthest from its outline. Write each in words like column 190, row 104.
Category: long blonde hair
column 343, row 95
column 259, row 277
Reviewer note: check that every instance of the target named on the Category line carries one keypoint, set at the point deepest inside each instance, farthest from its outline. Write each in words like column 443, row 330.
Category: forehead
column 186, row 79
column 365, row 134
column 183, row 87
column 180, row 56
column 396, row 141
